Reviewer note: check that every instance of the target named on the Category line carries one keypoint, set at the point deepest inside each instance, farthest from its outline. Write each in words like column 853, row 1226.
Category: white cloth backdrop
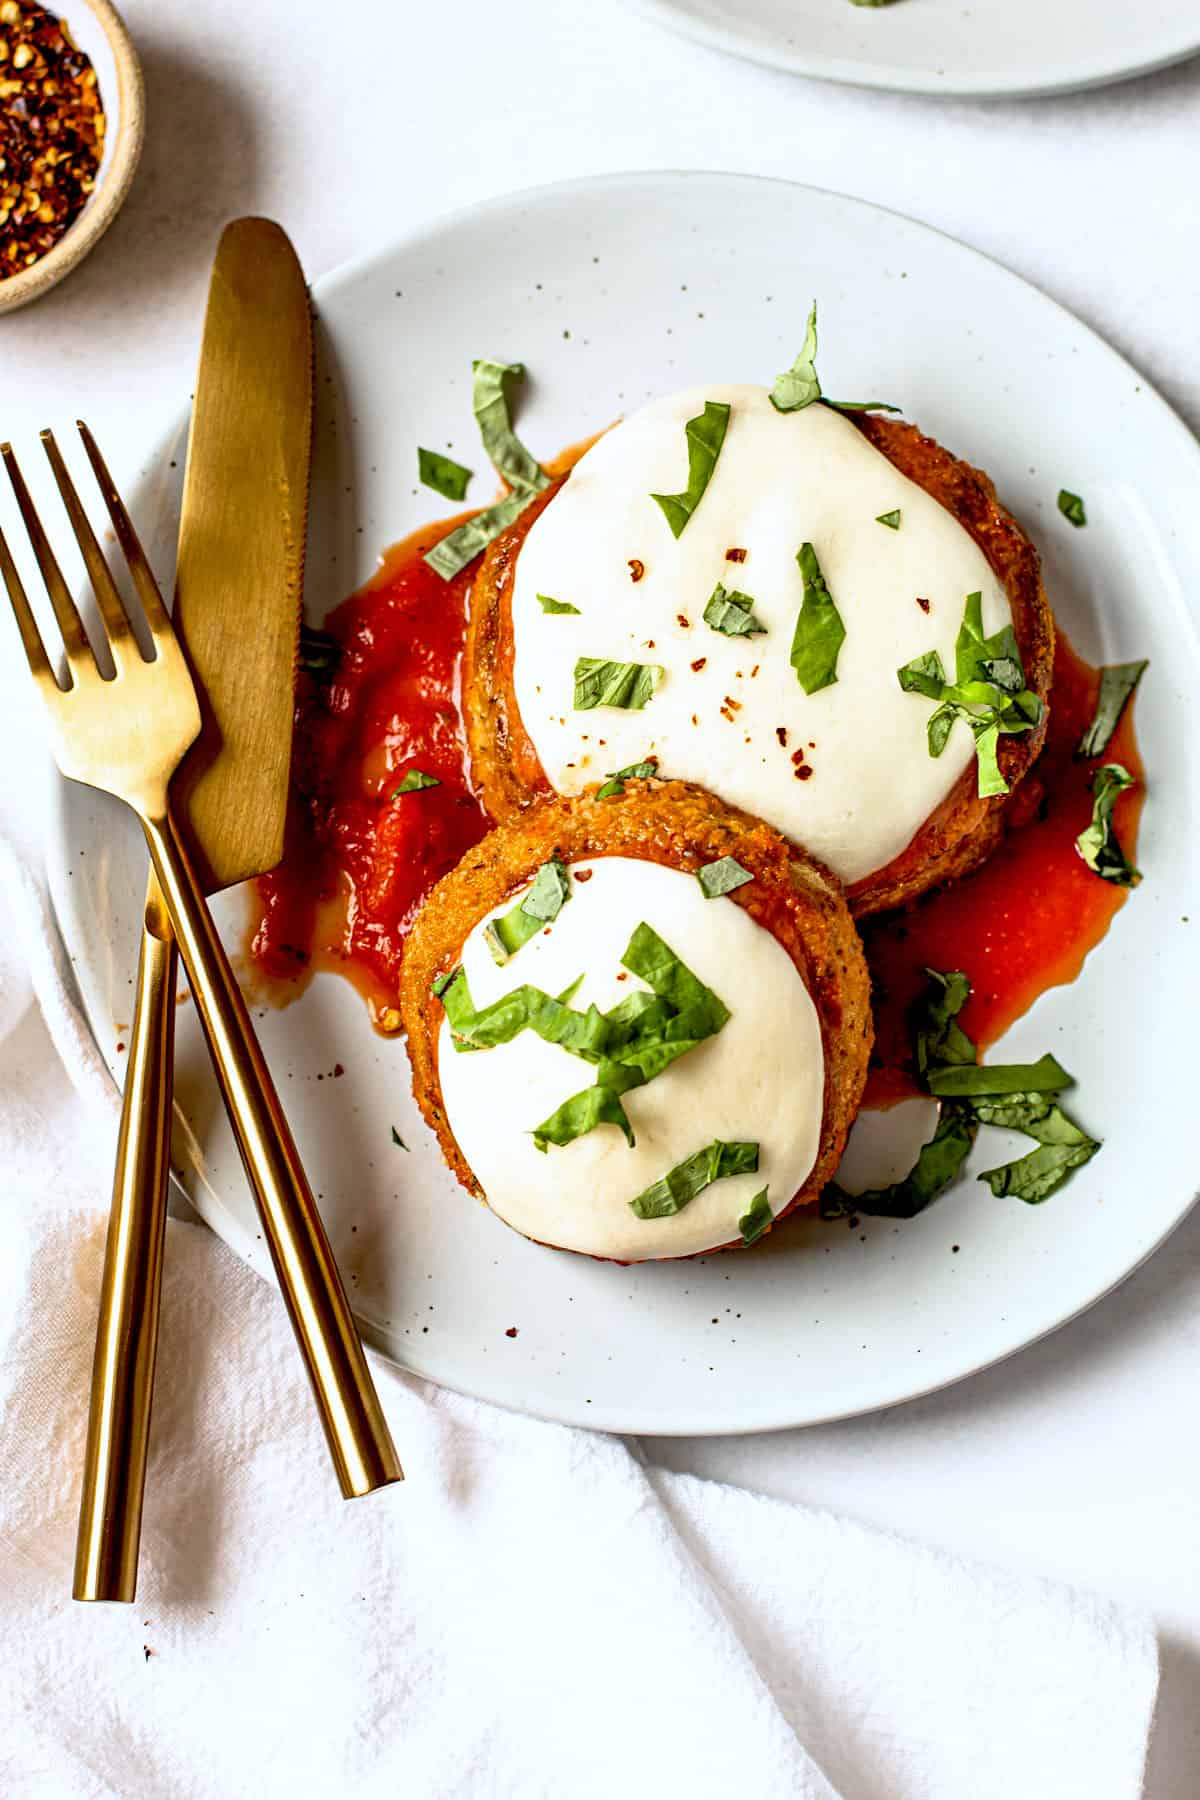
column 1077, row 1460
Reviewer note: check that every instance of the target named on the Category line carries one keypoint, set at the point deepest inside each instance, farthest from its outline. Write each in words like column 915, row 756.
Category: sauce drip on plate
column 358, row 863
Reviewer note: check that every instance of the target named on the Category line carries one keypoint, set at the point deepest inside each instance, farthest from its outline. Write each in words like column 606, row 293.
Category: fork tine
column 143, row 580
column 31, row 637
column 108, row 599
column 75, row 639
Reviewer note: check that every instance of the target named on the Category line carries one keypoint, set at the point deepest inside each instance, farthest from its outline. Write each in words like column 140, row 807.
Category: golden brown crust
column 960, row 834
column 683, row 827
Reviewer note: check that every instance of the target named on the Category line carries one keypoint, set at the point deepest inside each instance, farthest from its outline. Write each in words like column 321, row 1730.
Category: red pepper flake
column 730, row 701
column 637, row 568
column 754, row 670
column 511, row 1332
column 735, row 556
column 120, row 1047
column 681, row 620
column 798, row 755
column 51, row 133
column 649, row 643
column 923, row 603
column 699, row 664
column 804, row 773
column 622, row 976
column 781, row 734
column 584, row 874
column 338, row 1070
column 726, row 714
column 695, row 720
column 147, row 1652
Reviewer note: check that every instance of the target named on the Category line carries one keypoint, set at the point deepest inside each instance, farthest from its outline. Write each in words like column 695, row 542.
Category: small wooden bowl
column 98, row 30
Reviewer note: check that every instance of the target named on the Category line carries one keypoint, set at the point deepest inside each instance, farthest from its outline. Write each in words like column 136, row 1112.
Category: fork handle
column 114, row 1470
column 356, row 1430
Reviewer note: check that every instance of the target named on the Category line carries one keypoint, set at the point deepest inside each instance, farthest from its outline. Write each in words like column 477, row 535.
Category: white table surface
column 1080, row 1458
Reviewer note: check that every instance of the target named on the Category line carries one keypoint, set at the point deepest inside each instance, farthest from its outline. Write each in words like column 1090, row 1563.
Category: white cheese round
column 760, row 1079
column 735, row 724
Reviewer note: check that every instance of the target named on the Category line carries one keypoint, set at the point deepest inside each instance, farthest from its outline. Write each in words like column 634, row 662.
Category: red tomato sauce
column 1027, row 919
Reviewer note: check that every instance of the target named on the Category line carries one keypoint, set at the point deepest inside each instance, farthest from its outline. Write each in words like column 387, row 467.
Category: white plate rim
column 215, row 1211
column 886, row 78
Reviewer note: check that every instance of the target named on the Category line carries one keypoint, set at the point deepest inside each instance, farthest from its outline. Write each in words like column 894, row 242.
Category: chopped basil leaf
column 680, row 1185
column 647, row 956
column 463, row 545
column 938, row 1038
column 798, row 386
column 1062, row 1147
column 1117, row 683
column 965, row 1080
column 508, row 455
column 722, row 877
column 935, row 1168
column 582, row 1113
column 397, row 1139
column 730, row 613
column 872, row 2
column 414, row 781
column 555, row 606
column 639, row 771
column 442, row 474
column 625, row 684
column 319, row 654
column 890, row 519
column 988, row 693
column 819, row 630
column 545, row 900
column 441, row 982
column 1071, row 507
column 757, row 1216
column 1099, row 845
column 705, row 435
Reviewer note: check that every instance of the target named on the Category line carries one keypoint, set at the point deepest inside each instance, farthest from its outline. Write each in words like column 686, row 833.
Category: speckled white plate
column 613, row 290
column 977, row 47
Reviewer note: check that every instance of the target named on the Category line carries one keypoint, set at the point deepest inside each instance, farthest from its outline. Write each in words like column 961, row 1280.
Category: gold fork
column 126, row 736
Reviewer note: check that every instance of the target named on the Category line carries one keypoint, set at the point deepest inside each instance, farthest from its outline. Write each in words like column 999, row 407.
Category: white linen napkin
column 533, row 1613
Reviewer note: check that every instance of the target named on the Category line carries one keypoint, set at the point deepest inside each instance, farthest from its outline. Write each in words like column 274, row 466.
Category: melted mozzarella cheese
column 759, row 1079
column 730, row 713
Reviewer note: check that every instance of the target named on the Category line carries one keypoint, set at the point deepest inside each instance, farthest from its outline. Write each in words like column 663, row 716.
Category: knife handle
column 118, row 1434
column 359, row 1441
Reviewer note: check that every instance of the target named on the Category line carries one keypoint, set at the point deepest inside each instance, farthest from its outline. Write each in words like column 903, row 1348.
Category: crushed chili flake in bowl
column 72, row 118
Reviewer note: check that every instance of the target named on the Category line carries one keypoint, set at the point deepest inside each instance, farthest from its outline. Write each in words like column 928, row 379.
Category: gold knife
column 237, row 612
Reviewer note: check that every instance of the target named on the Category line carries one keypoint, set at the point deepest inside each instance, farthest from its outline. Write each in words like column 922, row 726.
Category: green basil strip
column 462, row 546
column 414, row 781
column 398, row 1140
column 938, row 1038
column 319, row 654
column 493, row 384
column 581, row 1114
column 545, row 900
column 936, row 1166
column 853, row 406
column 923, row 675
column 798, row 386
column 1071, row 507
column 442, row 474
column 890, row 519
column 705, row 435
column 819, row 630
column 648, row 957
column 680, row 1185
column 872, row 2
column 1098, row 844
column 731, row 614
column 757, row 1216
column 1062, row 1147
column 988, row 693
column 625, row 684
column 555, row 606
column 1117, row 684
column 722, row 877
column 639, row 771
column 987, row 738
column 965, row 1080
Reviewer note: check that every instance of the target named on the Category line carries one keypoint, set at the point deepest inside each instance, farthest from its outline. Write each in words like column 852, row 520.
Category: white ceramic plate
column 611, row 291
column 996, row 47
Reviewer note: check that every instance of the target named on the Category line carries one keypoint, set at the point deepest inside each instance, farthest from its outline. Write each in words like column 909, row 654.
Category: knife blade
column 240, row 567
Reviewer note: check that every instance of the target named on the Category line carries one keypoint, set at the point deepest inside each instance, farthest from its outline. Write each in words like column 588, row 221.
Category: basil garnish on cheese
column 724, row 876
column 1099, row 845
column 800, row 385
column 680, row 1185
column 988, row 693
column 442, row 474
column 819, row 630
column 731, row 613
column 413, row 782
column 757, row 1216
column 705, row 435
column 555, row 606
column 1117, row 684
column 625, row 684
column 546, row 898
column 890, row 519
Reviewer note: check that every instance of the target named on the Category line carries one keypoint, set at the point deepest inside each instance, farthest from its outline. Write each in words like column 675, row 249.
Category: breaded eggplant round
column 626, row 1060
column 725, row 618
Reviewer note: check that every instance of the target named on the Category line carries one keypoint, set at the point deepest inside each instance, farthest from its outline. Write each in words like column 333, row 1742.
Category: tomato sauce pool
column 359, row 859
